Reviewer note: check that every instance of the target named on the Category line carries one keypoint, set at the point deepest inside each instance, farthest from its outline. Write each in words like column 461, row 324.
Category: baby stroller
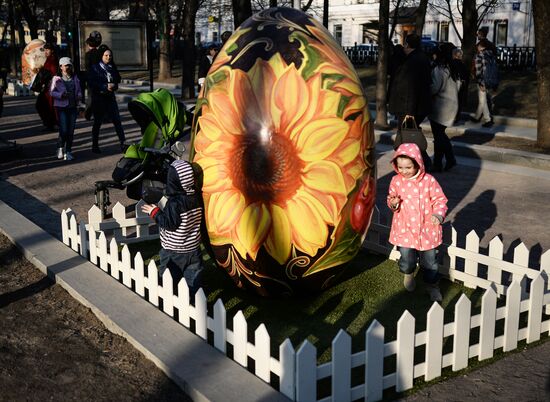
column 143, row 168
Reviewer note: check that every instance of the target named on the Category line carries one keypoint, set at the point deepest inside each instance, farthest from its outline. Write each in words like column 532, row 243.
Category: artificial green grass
column 371, row 287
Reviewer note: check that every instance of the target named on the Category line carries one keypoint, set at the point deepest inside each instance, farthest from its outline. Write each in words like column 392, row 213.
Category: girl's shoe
column 434, row 292
column 409, row 282
column 69, row 156
column 59, row 153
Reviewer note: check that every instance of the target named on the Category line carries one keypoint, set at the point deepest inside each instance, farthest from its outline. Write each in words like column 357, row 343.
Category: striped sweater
column 180, row 220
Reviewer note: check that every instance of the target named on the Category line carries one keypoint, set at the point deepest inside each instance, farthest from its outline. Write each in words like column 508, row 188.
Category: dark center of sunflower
column 266, row 168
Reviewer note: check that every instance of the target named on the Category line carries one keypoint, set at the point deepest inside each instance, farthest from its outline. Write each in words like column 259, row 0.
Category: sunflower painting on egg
column 285, row 144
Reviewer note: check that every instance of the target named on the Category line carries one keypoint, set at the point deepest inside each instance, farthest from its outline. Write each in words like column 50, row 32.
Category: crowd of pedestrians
column 437, row 89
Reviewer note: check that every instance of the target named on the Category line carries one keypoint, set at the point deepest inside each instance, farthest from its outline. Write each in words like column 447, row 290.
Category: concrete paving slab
column 200, row 370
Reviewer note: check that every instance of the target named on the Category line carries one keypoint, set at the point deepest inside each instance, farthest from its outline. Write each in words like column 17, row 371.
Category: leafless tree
column 541, row 12
column 382, row 66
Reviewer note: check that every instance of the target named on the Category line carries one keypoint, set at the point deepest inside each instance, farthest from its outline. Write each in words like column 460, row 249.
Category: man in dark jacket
column 410, row 90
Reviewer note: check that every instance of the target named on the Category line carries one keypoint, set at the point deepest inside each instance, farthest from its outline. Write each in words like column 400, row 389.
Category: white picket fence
column 527, row 290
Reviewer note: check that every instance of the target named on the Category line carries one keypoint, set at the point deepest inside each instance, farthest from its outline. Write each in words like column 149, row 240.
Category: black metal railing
column 509, row 57
column 516, row 57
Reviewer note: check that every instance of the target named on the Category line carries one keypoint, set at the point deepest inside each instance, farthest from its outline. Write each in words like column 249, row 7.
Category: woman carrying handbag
column 445, row 87
column 410, row 132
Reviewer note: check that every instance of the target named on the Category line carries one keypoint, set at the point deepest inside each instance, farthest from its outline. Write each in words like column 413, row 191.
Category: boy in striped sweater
column 180, row 227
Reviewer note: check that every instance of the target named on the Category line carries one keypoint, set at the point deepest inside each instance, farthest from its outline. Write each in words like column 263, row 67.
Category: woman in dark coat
column 103, row 80
column 44, row 101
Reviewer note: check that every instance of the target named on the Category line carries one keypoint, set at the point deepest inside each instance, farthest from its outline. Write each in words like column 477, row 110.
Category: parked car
column 429, row 46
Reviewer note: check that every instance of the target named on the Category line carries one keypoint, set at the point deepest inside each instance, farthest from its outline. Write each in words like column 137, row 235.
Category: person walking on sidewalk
column 67, row 94
column 44, row 101
column 180, row 227
column 91, row 57
column 486, row 75
column 103, row 80
column 464, row 77
column 445, row 86
column 410, row 88
column 419, row 207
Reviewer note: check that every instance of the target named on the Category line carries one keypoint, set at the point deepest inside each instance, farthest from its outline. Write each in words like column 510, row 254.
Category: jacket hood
column 181, row 179
column 412, row 151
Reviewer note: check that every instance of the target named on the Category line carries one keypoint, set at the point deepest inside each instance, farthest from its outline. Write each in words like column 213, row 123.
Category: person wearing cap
column 91, row 57
column 67, row 94
column 103, row 80
column 44, row 101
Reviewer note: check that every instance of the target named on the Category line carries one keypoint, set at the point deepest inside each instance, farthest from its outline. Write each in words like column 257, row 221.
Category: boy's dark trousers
column 183, row 265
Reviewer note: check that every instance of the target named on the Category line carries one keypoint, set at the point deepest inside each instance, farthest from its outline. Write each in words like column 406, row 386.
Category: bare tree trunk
column 242, row 9
column 189, row 53
column 164, row 33
column 382, row 66
column 541, row 12
column 14, row 50
column 421, row 17
column 30, row 18
column 325, row 13
column 469, row 24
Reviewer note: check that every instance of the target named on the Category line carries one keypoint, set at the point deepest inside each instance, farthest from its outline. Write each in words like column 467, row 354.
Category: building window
column 501, row 32
column 444, row 31
column 338, row 33
column 370, row 32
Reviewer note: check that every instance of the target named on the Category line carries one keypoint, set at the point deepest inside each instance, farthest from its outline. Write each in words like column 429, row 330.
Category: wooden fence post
column 434, row 342
column 220, row 326
column 521, row 257
column 125, row 266
column 262, row 346
column 65, row 227
column 167, row 293
column 404, row 370
column 487, row 324
column 496, row 251
column 113, row 258
column 470, row 266
column 139, row 274
column 374, row 362
column 535, row 309
column 511, row 317
column 287, row 360
column 341, row 367
column 306, row 373
column 201, row 314
column 461, row 333
column 240, row 339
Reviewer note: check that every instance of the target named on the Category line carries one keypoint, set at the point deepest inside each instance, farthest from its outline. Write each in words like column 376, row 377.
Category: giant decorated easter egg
column 32, row 59
column 285, row 144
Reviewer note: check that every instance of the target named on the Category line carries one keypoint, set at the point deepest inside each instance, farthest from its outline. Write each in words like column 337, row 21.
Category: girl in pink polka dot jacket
column 419, row 207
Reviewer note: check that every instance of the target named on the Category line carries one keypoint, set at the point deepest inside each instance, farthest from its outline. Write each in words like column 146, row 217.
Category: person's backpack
column 490, row 73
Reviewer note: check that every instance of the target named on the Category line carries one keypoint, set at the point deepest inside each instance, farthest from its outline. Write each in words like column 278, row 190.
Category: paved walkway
column 490, row 197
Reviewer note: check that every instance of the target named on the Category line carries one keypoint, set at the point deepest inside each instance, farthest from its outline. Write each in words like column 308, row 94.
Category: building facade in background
column 355, row 22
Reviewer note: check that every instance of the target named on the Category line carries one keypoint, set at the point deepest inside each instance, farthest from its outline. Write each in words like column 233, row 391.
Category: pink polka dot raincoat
column 421, row 197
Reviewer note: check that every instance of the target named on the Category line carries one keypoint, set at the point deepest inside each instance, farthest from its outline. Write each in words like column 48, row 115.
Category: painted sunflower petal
column 324, row 176
column 228, row 209
column 309, row 232
column 278, row 241
column 253, row 228
column 320, row 138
